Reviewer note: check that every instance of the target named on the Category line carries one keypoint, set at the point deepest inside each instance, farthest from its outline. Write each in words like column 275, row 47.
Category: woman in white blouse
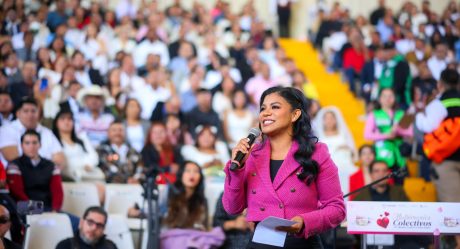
column 208, row 152
column 82, row 158
column 136, row 128
column 239, row 119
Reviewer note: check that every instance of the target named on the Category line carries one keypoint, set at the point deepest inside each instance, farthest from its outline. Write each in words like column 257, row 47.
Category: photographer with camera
column 120, row 162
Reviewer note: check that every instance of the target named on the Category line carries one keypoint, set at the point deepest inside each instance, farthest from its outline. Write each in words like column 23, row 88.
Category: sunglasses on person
column 91, row 223
column 4, row 219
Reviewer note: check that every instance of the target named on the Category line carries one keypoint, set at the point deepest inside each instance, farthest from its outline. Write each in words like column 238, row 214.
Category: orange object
column 443, row 141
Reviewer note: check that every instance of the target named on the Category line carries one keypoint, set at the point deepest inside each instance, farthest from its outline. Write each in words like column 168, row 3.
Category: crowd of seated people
column 118, row 92
column 403, row 63
column 404, row 50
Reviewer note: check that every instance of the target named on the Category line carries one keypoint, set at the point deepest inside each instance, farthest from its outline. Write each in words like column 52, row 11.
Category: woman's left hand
column 295, row 228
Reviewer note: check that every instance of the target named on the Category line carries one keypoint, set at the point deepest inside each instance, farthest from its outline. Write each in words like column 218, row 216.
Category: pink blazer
column 320, row 204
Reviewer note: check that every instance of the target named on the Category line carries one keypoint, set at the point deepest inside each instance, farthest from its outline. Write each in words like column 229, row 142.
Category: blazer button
column 281, row 205
column 292, row 190
column 262, row 209
column 254, row 174
column 254, row 191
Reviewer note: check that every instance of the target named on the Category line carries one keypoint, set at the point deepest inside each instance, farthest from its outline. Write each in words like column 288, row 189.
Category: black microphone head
column 254, row 131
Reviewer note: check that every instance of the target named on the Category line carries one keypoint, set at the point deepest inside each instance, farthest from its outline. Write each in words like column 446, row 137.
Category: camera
column 29, row 207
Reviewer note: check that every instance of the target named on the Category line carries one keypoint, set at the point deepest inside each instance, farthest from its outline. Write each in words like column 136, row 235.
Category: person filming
column 286, row 174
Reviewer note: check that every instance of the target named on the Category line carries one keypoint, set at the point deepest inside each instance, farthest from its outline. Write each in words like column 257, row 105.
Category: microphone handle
column 240, row 155
column 234, row 166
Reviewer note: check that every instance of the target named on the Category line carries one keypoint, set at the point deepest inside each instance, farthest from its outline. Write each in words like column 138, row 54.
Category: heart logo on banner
column 383, row 222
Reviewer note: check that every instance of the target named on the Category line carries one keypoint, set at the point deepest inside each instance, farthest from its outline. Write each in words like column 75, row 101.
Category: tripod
column 151, row 194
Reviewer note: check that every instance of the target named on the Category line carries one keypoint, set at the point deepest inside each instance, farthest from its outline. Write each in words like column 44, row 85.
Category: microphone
column 253, row 134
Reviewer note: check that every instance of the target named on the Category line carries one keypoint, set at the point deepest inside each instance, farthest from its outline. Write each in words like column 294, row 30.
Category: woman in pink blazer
column 289, row 174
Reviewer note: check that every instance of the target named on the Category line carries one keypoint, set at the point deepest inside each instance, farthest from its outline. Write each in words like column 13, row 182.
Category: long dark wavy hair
column 302, row 131
column 73, row 135
column 196, row 206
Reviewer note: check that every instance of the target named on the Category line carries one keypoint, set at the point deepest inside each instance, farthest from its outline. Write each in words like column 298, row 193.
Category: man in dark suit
column 370, row 73
column 25, row 87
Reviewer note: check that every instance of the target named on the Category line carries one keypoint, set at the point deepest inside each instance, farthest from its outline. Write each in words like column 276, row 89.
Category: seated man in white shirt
column 28, row 118
column 151, row 45
column 438, row 62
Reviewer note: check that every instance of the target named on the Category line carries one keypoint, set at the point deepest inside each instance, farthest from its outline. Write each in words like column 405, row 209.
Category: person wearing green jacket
column 382, row 127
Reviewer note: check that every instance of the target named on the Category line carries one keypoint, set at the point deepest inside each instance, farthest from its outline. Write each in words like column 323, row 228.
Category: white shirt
column 78, row 158
column 191, row 153
column 122, row 151
column 135, row 136
column 436, row 66
column 434, row 114
column 149, row 97
column 11, row 136
column 83, row 78
column 405, row 46
column 147, row 47
column 132, row 82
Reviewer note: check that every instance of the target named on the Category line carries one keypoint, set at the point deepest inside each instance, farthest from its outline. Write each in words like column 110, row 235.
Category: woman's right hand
column 243, row 147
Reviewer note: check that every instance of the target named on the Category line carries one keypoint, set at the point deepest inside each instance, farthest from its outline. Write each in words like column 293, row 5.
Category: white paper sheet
column 266, row 233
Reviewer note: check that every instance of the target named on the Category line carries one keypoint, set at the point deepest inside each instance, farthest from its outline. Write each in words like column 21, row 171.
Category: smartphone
column 43, row 84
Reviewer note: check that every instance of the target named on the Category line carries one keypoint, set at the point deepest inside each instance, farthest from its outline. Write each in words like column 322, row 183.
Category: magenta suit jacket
column 320, row 204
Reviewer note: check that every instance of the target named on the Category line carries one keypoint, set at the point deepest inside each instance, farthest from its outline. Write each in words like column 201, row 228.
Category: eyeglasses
column 4, row 219
column 94, row 223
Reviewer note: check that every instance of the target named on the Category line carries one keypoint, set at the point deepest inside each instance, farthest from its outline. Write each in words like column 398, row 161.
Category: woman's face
column 60, row 64
column 191, row 176
column 65, row 123
column 239, row 99
column 275, row 115
column 329, row 121
column 43, row 55
column 68, row 74
column 132, row 109
column 387, row 98
column 298, row 79
column 158, row 134
column 92, row 31
column 206, row 139
column 367, row 156
column 228, row 85
column 172, row 123
column 58, row 45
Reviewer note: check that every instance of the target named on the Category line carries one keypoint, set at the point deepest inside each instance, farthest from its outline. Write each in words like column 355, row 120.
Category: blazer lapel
column 263, row 167
column 287, row 168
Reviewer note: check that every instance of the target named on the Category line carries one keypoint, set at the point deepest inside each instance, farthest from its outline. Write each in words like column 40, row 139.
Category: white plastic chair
column 78, row 197
column 118, row 232
column 47, row 230
column 120, row 197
